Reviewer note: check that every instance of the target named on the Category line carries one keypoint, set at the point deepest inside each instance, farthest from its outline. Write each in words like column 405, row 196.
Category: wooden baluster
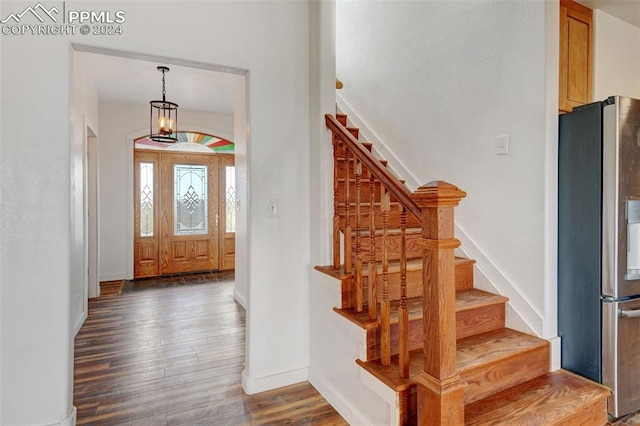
column 403, row 313
column 373, row 267
column 348, row 261
column 385, row 306
column 357, row 165
column 336, row 211
column 440, row 388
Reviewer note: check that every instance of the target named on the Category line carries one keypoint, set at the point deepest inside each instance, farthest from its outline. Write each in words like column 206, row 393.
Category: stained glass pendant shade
column 163, row 116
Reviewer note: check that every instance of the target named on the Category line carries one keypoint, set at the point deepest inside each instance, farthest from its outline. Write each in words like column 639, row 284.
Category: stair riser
column 492, row 378
column 468, row 323
column 413, row 251
column 344, row 165
column 464, row 280
column 365, row 194
column 594, row 414
column 414, row 282
column 476, row 321
column 340, row 149
column 414, row 285
column 394, row 218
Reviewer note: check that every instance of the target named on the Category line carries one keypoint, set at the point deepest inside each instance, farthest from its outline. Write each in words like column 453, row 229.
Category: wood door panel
column 147, row 252
column 202, row 250
column 577, row 90
column 179, row 251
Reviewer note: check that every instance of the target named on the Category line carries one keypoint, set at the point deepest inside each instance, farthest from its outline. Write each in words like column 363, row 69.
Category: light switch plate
column 502, row 145
column 272, row 207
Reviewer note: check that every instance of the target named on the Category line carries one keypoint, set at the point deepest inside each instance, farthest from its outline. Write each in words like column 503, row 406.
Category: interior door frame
column 92, row 212
column 163, row 226
column 129, row 181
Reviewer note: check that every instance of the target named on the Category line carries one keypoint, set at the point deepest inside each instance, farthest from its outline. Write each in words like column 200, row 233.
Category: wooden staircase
column 438, row 342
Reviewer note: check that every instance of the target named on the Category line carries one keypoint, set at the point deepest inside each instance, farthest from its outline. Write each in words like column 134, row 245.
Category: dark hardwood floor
column 170, row 351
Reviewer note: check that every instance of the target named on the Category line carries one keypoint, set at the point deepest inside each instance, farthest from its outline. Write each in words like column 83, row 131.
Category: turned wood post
column 440, row 388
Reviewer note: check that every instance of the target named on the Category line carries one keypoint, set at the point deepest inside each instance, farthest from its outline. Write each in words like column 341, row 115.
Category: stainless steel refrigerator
column 599, row 247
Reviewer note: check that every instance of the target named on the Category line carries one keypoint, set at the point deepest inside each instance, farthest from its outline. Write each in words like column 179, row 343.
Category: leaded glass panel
column 146, row 199
column 230, row 198
column 190, row 199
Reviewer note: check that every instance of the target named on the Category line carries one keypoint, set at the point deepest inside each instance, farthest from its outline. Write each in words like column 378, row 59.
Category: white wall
column 35, row 167
column 437, row 82
column 267, row 38
column 616, row 57
column 117, row 122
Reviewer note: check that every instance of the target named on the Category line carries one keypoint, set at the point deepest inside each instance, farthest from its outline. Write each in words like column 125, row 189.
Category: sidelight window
column 230, row 198
column 146, row 199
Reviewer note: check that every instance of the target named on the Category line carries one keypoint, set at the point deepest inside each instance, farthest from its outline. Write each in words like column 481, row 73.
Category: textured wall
column 41, row 152
column 438, row 81
column 616, row 57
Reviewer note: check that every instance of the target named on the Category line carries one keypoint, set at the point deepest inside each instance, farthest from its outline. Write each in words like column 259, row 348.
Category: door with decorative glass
column 189, row 213
column 176, row 213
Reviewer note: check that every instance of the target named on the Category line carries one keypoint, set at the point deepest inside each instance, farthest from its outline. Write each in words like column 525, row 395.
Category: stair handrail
column 392, row 183
column 440, row 395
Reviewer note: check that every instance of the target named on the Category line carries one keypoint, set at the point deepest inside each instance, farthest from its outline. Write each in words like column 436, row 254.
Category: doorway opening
column 184, row 205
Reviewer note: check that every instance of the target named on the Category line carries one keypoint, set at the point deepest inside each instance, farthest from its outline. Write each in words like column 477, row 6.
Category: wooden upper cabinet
column 576, row 55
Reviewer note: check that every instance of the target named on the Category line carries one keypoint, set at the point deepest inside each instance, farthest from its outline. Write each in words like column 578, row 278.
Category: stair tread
column 337, row 273
column 465, row 300
column 471, row 352
column 549, row 399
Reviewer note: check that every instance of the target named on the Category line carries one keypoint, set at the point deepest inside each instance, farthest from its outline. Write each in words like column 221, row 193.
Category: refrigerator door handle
column 630, row 313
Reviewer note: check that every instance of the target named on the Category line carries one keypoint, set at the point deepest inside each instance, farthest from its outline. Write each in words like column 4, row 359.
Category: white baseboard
column 253, row 385
column 352, row 415
column 240, row 299
column 556, row 344
column 70, row 420
column 79, row 323
column 112, row 277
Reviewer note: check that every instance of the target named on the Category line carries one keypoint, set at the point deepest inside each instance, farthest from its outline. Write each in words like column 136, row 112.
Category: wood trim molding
column 398, row 189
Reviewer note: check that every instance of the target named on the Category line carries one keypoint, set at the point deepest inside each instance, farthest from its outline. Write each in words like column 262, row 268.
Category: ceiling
column 627, row 10
column 136, row 82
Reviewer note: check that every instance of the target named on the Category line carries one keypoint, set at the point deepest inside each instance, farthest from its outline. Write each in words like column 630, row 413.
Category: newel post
column 440, row 388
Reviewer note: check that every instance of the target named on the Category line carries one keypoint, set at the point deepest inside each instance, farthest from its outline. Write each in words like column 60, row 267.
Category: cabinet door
column 576, row 48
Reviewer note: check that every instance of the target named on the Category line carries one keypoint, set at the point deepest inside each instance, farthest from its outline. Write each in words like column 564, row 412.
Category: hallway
column 170, row 351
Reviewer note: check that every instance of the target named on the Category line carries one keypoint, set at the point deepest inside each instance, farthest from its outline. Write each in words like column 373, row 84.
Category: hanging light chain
column 163, row 90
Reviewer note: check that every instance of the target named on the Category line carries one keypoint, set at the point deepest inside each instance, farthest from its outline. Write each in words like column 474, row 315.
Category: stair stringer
column 521, row 314
column 335, row 344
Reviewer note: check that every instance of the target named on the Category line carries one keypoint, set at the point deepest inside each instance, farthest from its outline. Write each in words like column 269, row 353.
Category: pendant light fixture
column 163, row 117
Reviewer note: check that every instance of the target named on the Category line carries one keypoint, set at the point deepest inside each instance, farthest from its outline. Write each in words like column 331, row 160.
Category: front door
column 176, row 227
column 189, row 214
